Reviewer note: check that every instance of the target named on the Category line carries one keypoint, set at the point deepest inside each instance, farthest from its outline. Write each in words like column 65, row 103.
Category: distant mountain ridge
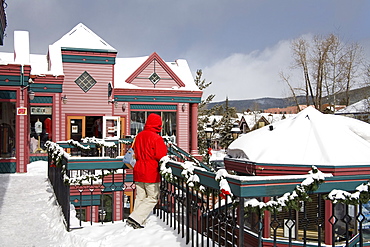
column 355, row 95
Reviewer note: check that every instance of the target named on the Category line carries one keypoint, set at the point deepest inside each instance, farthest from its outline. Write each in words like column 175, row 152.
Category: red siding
column 157, row 92
column 142, row 79
column 183, row 120
column 92, row 102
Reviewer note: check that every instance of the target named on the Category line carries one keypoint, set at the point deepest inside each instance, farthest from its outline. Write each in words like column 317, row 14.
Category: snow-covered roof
column 309, row 138
column 6, row 58
column 39, row 64
column 251, row 118
column 213, row 118
column 82, row 37
column 182, row 70
column 359, row 107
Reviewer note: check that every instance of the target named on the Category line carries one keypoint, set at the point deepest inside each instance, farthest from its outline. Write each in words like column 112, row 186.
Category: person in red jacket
column 149, row 149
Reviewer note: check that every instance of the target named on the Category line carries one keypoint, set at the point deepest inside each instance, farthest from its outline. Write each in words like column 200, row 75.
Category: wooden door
column 76, row 128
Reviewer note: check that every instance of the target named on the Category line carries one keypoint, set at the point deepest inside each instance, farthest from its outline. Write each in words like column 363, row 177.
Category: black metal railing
column 92, row 192
column 203, row 218
column 206, row 218
column 61, row 190
column 182, row 155
column 198, row 216
column 96, row 197
column 89, row 182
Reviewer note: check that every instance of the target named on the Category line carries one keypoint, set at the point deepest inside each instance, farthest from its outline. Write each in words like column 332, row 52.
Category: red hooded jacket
column 149, row 148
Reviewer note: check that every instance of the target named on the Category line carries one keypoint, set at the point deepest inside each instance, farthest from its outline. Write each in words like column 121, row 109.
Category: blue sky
column 241, row 45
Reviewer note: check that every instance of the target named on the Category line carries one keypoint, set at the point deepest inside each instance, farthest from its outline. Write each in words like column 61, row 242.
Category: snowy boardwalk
column 30, row 217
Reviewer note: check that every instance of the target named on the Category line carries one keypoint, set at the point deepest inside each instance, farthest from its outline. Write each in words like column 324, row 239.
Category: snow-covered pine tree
column 225, row 125
column 203, row 114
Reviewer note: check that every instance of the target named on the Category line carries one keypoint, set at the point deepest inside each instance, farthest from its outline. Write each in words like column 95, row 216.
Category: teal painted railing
column 211, row 216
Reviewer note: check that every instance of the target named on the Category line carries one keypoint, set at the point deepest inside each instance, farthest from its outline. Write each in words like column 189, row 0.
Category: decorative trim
column 94, row 163
column 85, row 200
column 4, row 94
column 88, row 50
column 162, row 63
column 13, row 80
column 153, row 107
column 42, row 99
column 46, row 88
column 7, row 167
column 88, row 59
column 37, row 158
column 161, row 99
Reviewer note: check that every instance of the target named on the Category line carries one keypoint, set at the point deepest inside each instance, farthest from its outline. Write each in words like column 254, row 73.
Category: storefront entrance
column 84, row 126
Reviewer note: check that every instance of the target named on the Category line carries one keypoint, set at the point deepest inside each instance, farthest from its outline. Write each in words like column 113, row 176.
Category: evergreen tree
column 203, row 114
column 226, row 124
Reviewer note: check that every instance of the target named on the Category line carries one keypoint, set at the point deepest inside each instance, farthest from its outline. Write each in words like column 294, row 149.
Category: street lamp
column 235, row 131
column 209, row 132
column 31, row 94
column 102, row 215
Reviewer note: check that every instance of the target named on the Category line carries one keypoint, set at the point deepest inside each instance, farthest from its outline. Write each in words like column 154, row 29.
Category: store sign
column 43, row 110
column 21, row 111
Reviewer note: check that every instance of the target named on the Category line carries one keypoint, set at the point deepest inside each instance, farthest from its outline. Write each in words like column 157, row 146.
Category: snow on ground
column 29, row 216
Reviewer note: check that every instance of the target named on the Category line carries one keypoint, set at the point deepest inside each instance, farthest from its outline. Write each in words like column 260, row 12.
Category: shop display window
column 41, row 128
column 138, row 119
column 7, row 129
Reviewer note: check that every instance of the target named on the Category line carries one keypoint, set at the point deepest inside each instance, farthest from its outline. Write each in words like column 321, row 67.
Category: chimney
column 21, row 47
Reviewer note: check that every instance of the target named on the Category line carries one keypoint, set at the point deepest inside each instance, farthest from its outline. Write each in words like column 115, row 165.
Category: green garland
column 361, row 195
column 192, row 180
column 86, row 179
column 290, row 200
column 56, row 154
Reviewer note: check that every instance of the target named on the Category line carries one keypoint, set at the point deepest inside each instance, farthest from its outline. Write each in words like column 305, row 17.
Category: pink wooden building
column 80, row 88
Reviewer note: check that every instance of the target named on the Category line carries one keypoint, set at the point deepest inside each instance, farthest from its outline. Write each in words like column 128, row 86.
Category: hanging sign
column 45, row 110
column 21, row 111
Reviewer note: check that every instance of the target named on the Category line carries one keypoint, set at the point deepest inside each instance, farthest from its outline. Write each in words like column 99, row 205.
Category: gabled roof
column 252, row 118
column 162, row 63
column 126, row 69
column 81, row 37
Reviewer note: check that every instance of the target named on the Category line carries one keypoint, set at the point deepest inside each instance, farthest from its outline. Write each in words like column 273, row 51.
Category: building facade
column 80, row 88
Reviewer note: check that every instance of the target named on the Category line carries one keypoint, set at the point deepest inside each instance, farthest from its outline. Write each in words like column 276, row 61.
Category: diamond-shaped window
column 154, row 78
column 85, row 81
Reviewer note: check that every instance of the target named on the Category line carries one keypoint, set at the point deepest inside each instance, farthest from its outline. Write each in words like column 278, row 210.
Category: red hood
column 153, row 123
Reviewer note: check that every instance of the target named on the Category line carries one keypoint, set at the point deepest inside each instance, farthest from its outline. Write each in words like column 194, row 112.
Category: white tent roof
column 309, row 138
